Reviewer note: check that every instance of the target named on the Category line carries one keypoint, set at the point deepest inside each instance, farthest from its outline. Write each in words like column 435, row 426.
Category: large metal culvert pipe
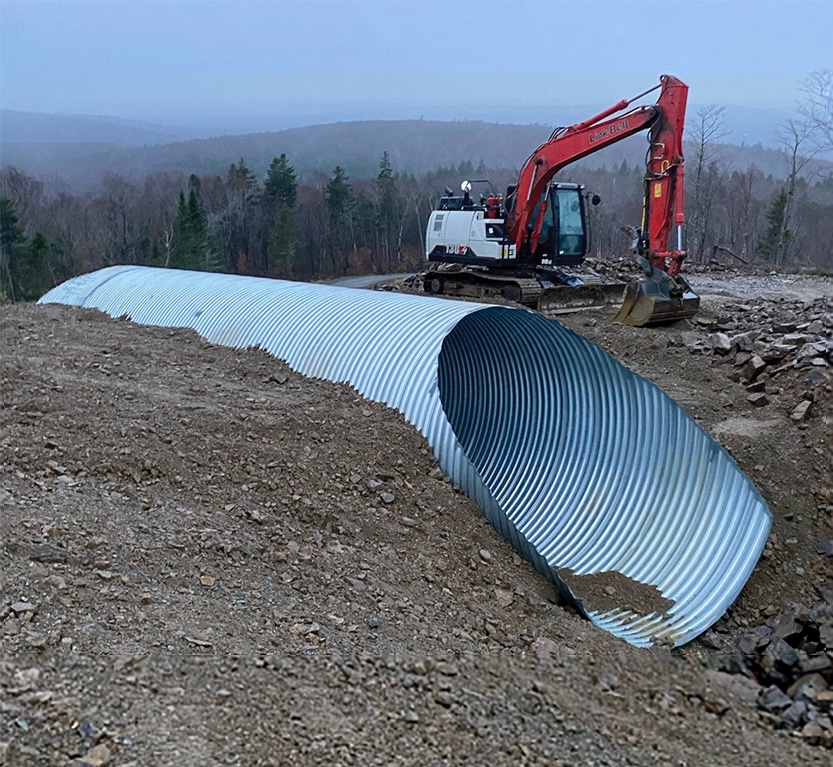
column 589, row 470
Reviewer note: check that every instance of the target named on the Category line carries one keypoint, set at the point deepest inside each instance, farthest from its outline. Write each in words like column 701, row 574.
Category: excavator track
column 463, row 284
column 543, row 295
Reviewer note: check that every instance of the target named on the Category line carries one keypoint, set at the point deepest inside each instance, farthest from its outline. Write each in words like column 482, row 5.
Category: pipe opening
column 600, row 479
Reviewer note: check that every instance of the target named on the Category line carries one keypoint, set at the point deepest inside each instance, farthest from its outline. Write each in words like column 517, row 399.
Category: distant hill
column 414, row 146
column 38, row 128
column 745, row 125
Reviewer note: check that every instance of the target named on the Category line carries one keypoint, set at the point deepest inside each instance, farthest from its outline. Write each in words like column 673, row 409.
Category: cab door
column 568, row 243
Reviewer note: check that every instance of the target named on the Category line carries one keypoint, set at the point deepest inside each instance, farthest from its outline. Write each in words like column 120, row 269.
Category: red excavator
column 517, row 246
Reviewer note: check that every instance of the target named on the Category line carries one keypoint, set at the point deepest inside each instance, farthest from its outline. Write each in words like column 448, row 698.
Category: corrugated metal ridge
column 591, row 471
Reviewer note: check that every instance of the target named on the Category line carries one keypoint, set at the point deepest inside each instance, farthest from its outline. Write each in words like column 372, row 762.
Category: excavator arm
column 663, row 201
column 664, row 180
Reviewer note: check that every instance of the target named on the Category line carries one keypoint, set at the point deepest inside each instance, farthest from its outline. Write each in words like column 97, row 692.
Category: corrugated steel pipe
column 590, row 471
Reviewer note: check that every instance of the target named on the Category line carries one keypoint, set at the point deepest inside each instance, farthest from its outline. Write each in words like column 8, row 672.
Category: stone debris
column 800, row 411
column 769, row 346
column 753, row 367
column 721, row 343
column 773, row 699
column 791, row 657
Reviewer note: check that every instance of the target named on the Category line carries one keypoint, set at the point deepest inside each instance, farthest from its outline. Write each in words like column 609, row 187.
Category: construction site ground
column 207, row 559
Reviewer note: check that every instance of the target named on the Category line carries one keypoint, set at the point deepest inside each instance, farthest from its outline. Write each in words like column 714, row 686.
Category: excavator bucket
column 567, row 299
column 657, row 298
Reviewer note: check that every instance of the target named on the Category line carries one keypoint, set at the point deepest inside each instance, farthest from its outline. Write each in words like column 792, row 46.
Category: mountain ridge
column 413, row 146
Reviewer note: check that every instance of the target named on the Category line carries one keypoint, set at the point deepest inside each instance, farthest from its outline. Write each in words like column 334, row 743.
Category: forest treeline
column 328, row 225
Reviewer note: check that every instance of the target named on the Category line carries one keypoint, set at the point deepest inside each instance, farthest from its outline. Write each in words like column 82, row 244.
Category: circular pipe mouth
column 596, row 476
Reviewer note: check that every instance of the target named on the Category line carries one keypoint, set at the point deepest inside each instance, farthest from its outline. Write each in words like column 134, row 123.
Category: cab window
column 571, row 234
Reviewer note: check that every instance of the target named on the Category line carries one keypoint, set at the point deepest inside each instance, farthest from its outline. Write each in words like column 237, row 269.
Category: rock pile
column 761, row 340
column 791, row 657
column 616, row 269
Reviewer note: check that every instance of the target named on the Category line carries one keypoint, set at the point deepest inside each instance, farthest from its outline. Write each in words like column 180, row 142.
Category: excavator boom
column 574, row 143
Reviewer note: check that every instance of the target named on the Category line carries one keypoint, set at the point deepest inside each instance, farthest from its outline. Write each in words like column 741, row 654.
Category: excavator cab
column 564, row 237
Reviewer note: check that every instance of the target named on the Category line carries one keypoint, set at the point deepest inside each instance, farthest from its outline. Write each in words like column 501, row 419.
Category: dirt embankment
column 207, row 559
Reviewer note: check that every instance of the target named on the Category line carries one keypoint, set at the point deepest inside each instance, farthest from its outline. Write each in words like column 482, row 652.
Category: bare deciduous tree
column 25, row 192
column 802, row 139
column 709, row 129
column 816, row 107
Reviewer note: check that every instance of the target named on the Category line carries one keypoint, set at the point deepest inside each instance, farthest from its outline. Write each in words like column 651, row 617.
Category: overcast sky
column 167, row 59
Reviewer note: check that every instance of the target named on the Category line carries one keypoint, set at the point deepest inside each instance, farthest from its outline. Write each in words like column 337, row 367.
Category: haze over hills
column 744, row 125
column 82, row 148
column 18, row 127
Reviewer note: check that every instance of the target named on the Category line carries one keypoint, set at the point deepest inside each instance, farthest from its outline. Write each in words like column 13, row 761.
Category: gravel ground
column 207, row 559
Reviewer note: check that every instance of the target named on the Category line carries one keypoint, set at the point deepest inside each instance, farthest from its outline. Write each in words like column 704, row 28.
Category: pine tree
column 240, row 177
column 182, row 250
column 339, row 195
column 281, row 184
column 24, row 268
column 244, row 245
column 11, row 245
column 192, row 246
column 340, row 207
column 282, row 243
column 364, row 222
column 389, row 213
column 281, row 190
column 34, row 277
column 775, row 235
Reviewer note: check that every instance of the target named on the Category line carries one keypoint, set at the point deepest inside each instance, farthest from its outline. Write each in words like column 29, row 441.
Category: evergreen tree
column 464, row 170
column 389, row 214
column 282, row 243
column 241, row 225
column 182, row 252
column 281, row 184
column 191, row 246
column 24, row 268
column 340, row 207
column 339, row 195
column 364, row 222
column 240, row 177
column 281, row 191
column 35, row 278
column 775, row 236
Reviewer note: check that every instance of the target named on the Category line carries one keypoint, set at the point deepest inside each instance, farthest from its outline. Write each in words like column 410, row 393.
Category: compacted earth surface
column 207, row 559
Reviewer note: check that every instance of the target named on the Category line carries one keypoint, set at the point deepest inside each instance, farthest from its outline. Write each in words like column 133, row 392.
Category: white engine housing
column 467, row 233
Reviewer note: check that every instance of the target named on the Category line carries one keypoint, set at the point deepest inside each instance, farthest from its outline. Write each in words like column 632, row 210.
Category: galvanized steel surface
column 584, row 466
